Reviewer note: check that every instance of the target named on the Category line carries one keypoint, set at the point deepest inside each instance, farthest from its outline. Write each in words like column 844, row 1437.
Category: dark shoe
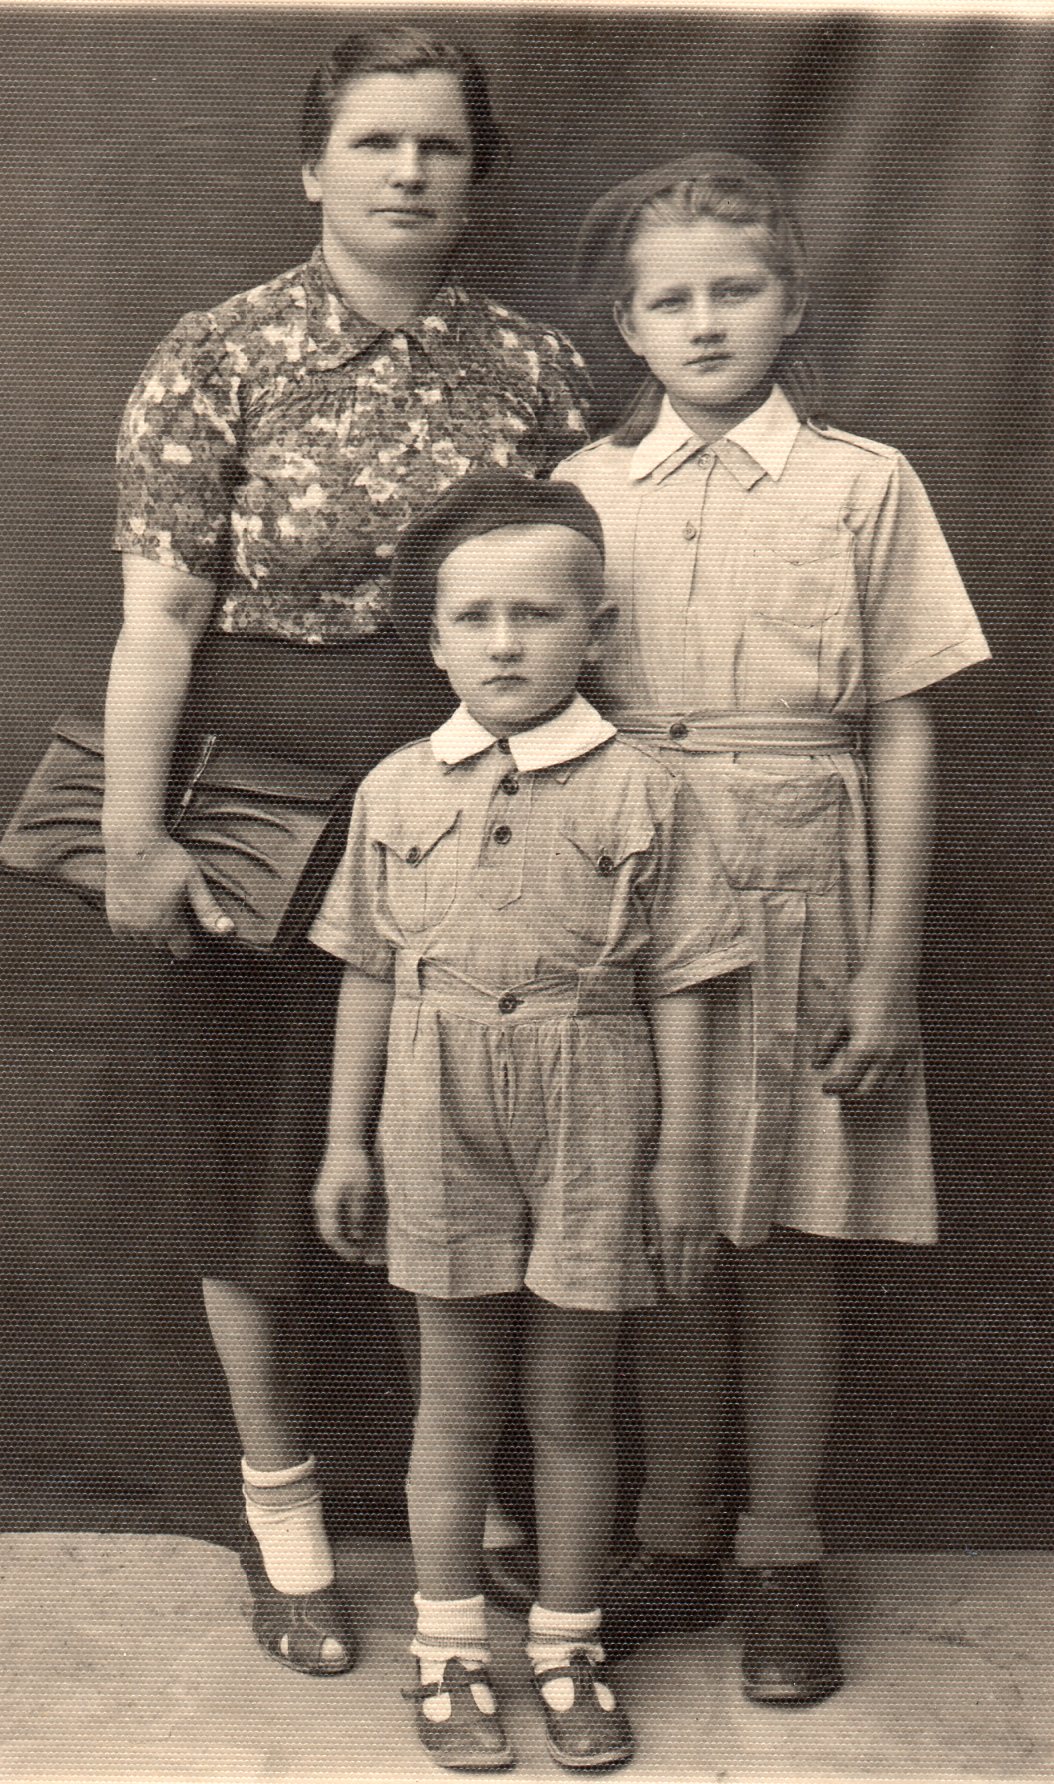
column 586, row 1737
column 292, row 1627
column 651, row 1594
column 510, row 1576
column 471, row 1739
column 789, row 1650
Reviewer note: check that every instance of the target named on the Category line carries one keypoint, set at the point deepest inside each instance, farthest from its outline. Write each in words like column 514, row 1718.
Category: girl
column 783, row 590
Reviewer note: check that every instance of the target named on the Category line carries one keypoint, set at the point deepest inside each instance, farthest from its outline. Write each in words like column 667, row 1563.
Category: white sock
column 296, row 1554
column 451, row 1629
column 553, row 1637
column 499, row 1530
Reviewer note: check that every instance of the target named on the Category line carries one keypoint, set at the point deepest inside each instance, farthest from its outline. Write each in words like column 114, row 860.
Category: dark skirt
column 242, row 1085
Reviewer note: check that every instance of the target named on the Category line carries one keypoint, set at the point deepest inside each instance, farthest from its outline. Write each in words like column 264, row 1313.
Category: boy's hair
column 402, row 49
column 727, row 187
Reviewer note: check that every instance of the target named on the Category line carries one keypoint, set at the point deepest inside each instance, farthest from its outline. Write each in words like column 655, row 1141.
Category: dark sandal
column 301, row 1621
column 471, row 1740
column 586, row 1737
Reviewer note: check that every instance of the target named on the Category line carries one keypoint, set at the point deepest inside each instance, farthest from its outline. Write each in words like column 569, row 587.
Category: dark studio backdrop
column 152, row 169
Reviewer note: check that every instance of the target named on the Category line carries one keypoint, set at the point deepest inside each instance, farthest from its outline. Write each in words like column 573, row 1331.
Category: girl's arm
column 346, row 1187
column 679, row 1199
column 873, row 1041
column 152, row 884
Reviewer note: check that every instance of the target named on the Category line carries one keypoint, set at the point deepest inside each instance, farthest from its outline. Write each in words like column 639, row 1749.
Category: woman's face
column 394, row 179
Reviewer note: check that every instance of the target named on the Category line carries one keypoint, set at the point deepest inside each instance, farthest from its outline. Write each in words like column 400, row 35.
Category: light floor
column 129, row 1658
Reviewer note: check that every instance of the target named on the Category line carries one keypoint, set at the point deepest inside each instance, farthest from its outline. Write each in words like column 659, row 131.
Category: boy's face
column 707, row 314
column 515, row 620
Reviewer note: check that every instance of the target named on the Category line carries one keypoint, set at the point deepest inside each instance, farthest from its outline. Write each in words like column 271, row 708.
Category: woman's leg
column 255, row 1340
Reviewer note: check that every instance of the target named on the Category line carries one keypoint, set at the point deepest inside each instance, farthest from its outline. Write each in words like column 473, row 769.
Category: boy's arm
column 346, row 1187
column 679, row 1198
column 872, row 1043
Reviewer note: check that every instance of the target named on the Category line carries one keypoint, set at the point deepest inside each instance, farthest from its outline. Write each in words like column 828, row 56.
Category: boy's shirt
column 524, row 862
column 786, row 567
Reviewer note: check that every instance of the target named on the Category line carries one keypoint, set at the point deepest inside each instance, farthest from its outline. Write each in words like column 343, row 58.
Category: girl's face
column 394, row 179
column 707, row 315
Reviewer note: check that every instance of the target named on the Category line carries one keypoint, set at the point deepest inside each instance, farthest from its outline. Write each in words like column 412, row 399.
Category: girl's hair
column 729, row 188
column 400, row 50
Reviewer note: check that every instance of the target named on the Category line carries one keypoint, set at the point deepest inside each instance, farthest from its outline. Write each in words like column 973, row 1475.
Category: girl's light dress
column 770, row 587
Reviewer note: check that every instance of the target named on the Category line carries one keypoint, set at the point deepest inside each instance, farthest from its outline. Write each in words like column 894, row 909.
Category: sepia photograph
column 525, row 893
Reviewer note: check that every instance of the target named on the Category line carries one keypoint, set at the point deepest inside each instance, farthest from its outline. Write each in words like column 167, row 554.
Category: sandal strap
column 418, row 1693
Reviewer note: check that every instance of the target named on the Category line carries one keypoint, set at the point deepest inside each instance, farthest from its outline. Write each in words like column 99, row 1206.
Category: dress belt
column 727, row 733
column 591, row 991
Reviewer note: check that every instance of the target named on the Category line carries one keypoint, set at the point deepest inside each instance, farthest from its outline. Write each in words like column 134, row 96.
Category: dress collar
column 758, row 445
column 572, row 733
column 339, row 333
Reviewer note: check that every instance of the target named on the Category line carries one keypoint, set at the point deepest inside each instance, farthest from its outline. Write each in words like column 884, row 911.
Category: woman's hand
column 870, row 1045
column 156, row 893
column 346, row 1198
column 679, row 1215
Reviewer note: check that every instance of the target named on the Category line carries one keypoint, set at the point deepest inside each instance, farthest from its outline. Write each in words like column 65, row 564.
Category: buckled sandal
column 588, row 1736
column 471, row 1739
column 789, row 1651
column 292, row 1626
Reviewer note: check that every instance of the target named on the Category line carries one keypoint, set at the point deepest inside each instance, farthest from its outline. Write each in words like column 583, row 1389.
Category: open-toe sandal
column 293, row 1627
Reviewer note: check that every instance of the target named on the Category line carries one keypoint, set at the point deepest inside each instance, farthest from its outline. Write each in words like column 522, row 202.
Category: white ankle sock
column 296, row 1554
column 451, row 1629
column 552, row 1637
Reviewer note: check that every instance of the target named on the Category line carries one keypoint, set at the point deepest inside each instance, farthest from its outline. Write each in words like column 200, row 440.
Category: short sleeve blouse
column 279, row 442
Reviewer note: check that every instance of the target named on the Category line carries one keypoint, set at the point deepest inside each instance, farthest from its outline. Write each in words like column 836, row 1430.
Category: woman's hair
column 726, row 187
column 400, row 50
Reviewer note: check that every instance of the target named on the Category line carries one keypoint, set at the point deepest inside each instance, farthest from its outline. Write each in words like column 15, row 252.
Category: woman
column 270, row 454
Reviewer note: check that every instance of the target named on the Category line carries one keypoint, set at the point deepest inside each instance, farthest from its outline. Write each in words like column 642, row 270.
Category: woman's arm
column 347, row 1187
column 680, row 1199
column 873, row 1042
column 150, row 880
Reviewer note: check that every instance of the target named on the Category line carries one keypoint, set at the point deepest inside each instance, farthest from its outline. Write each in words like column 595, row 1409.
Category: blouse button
column 413, row 856
column 605, row 865
column 679, row 730
column 690, row 529
column 509, row 785
column 508, row 1002
column 502, row 833
column 503, row 745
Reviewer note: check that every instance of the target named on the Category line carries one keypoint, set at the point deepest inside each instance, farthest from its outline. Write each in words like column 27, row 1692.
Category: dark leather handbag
column 266, row 833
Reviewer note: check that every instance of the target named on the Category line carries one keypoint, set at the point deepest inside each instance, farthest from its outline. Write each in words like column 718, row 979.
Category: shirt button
column 503, row 745
column 508, row 1002
column 679, row 730
column 509, row 785
column 502, row 833
column 690, row 529
column 413, row 856
column 605, row 865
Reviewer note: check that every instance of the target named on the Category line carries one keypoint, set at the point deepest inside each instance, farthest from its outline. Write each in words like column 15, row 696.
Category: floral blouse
column 281, row 441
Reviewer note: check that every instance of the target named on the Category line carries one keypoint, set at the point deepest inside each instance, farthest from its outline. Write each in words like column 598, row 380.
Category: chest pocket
column 592, row 867
column 793, row 579
column 420, row 868
column 780, row 834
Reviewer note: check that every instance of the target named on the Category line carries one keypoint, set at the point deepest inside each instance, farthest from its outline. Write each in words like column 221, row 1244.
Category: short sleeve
column 346, row 923
column 566, row 394
column 177, row 453
column 919, row 625
column 696, row 930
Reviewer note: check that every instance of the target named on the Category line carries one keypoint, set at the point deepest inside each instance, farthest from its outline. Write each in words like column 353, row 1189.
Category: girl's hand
column 871, row 1045
column 346, row 1197
column 154, row 891
column 679, row 1216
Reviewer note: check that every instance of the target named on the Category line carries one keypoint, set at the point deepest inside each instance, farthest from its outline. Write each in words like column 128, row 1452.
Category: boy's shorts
column 515, row 1139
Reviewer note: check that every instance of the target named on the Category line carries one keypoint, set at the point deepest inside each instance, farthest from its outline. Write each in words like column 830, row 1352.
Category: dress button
column 690, row 529
column 502, row 833
column 503, row 745
column 605, row 865
column 508, row 1002
column 413, row 856
column 679, row 730
column 509, row 785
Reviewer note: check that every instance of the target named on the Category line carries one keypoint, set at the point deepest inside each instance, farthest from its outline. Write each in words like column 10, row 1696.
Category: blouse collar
column 757, row 446
column 338, row 332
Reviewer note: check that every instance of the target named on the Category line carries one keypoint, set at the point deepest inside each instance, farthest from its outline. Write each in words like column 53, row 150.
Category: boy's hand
column 870, row 1045
column 346, row 1196
column 681, row 1228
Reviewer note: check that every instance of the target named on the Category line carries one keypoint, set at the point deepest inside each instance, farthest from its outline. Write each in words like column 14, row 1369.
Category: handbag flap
column 86, row 733
column 235, row 770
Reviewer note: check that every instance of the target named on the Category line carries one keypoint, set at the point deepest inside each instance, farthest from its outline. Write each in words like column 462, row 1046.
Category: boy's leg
column 789, row 1355
column 287, row 1556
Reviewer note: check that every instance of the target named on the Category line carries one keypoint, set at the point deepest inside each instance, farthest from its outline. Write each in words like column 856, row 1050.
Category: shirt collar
column 339, row 333
column 572, row 733
column 759, row 444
